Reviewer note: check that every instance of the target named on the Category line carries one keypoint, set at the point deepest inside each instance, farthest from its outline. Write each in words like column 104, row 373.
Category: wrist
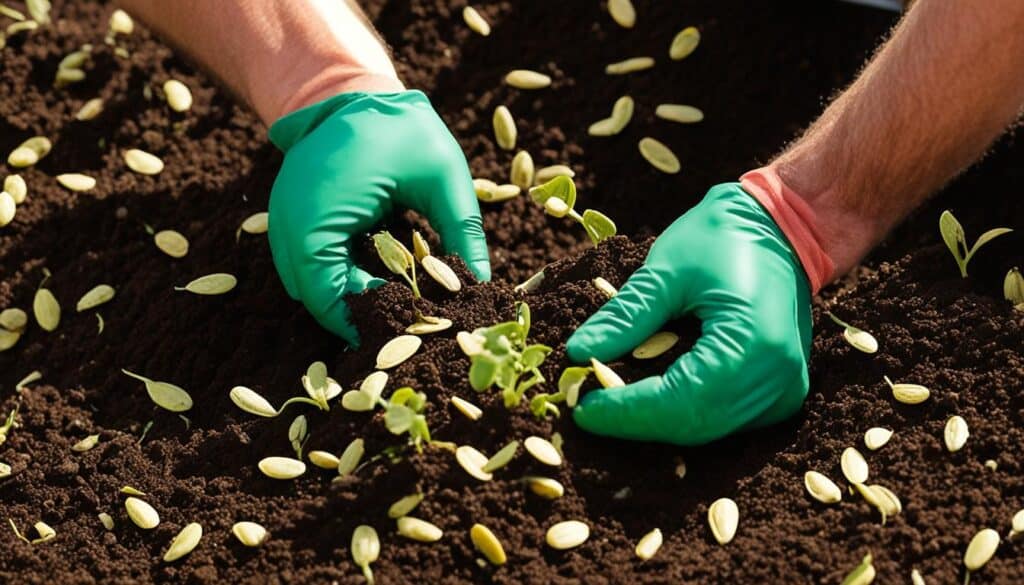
column 337, row 80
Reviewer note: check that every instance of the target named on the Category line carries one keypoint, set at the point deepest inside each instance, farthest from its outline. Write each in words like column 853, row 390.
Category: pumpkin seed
column 656, row 345
column 530, row 284
column 358, row 401
column 365, row 549
column 864, row 574
column 141, row 513
column 281, row 467
column 605, row 375
column 556, row 207
column 249, row 533
column 981, row 549
column 16, row 187
column 11, row 13
column 256, row 223
column 251, row 402
column 164, row 394
column 8, row 339
column 605, row 287
column 419, row 530
column 420, row 248
column 351, row 457
column 723, row 517
column 679, row 113
column 441, row 273
column 861, row 340
column 98, row 295
column 822, row 488
column 5, row 470
column 23, row 26
column 1018, row 521
column 425, row 328
column 41, row 145
column 485, row 189
column 543, row 451
column 991, row 465
column 66, row 77
column 13, row 319
column 855, row 468
column 46, row 309
column 178, row 95
column 121, row 23
column 129, row 490
column 889, row 503
column 550, row 172
column 467, row 408
column 8, row 208
column 475, row 21
column 488, row 544
column 526, row 79
column 404, row 505
column 916, row 578
column 659, row 155
column 143, row 162
column 211, row 284
column 473, row 462
column 622, row 113
column 397, row 351
column 875, row 438
column 522, row 170
column 622, row 12
column 504, row 127
column 373, row 385
column 86, row 444
column 185, row 542
column 545, row 487
column 502, row 192
column 629, row 66
column 171, row 243
column 908, row 393
column 76, row 181
column 38, row 10
column 956, row 433
column 323, row 459
column 502, row 458
column 106, row 520
column 684, row 43
column 471, row 344
column 567, row 534
column 649, row 545
column 22, row 157
column 45, row 532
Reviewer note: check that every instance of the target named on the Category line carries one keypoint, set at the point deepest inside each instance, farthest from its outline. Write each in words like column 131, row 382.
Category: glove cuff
column 796, row 219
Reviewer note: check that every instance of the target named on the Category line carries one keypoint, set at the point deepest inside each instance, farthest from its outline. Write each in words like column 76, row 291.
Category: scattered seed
column 171, row 243
column 365, row 549
column 185, row 542
column 16, row 187
column 473, row 462
column 141, row 513
column 249, row 533
column 522, row 170
column 5, row 470
column 256, row 223
column 956, row 433
column 129, row 490
column 121, row 23
column 143, row 162
column 397, row 351
column 8, row 339
column 530, row 284
column 11, row 13
column 605, row 375
column 723, row 517
column 876, row 437
column 504, row 127
column 991, row 464
column 404, row 505
column 545, row 487
column 916, row 578
column 981, row 549
column 251, row 402
column 22, row 157
column 211, row 284
column 629, row 66
column 425, row 328
column 889, row 503
column 502, row 192
column 1018, row 522
column 22, row 26
column 605, row 287
column 485, row 189
column 659, row 155
column 502, row 458
column 420, row 248
column 165, row 395
column 543, row 451
column 351, row 457
column 86, row 444
column 855, row 468
column 178, row 95
column 442, row 273
column 822, row 488
column 679, row 113
column 861, row 340
column 65, row 77
column 281, row 467
column 649, row 545
column 568, row 534
column 526, row 79
column 908, row 393
column 106, row 520
column 488, row 544
column 656, row 345
column 550, row 172
column 45, row 532
column 622, row 113
column 8, row 208
column 13, row 319
column 864, row 574
column 684, row 43
column 622, row 12
column 680, row 468
column 38, row 10
column 323, row 459
column 467, row 408
column 46, row 309
column 419, row 530
column 475, row 21
column 98, row 295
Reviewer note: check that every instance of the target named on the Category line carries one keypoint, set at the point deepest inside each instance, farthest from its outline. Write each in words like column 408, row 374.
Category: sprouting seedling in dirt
column 953, row 234
column 397, row 258
column 858, row 338
column 558, row 198
column 499, row 355
column 569, row 384
column 9, row 424
column 404, row 414
column 1013, row 288
column 298, row 434
column 320, row 387
column 164, row 394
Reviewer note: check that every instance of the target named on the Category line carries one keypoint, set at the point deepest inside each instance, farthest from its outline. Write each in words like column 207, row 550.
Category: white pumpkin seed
column 121, row 23
column 864, row 574
column 855, row 468
column 39, row 10
column 86, row 444
column 365, row 549
column 622, row 113
column 908, row 393
column 605, row 287
column 76, row 181
column 425, row 328
column 475, row 21
column 522, row 170
column 473, row 462
column 281, row 467
column 171, row 243
column 211, row 284
column 916, row 578
column 397, row 351
column 649, row 545
column 13, row 319
column 545, row 487
column 659, row 155
column 684, row 43
column 11, row 13
column 656, row 345
column 981, row 549
column 876, row 437
column 681, row 113
column 629, row 66
column 323, row 459
column 860, row 340
column 164, row 394
column 141, row 513
column 143, row 162
column 467, row 408
column 185, row 542
column 178, row 95
column 555, row 207
column 420, row 247
column 488, row 544
column 526, row 79
column 1018, row 521
column 502, row 458
column 5, row 470
column 723, row 517
column 106, row 520
column 822, row 488
column 249, row 533
column 500, row 193
column 22, row 157
column 441, row 273
column 16, row 187
column 543, row 451
column 46, row 309
column 256, row 223
column 889, row 503
column 96, row 296
column 129, row 490
column 504, row 127
column 485, row 188
column 622, row 12
column 251, row 402
column 956, row 433
column 547, row 173
column 567, row 534
column 351, row 457
column 419, row 530
column 8, row 339
column 45, row 532
column 8, row 208
column 605, row 375
column 404, row 505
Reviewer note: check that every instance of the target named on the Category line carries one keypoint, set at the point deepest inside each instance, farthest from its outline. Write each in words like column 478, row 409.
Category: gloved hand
column 727, row 262
column 349, row 161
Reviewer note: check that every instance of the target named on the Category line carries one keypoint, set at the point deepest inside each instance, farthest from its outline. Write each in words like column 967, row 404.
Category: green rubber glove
column 349, row 162
column 727, row 263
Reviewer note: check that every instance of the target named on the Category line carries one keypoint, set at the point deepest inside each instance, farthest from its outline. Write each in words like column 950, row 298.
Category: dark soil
column 761, row 73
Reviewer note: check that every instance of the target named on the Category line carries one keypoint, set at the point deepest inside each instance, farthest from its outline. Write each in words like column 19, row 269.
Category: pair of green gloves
column 352, row 159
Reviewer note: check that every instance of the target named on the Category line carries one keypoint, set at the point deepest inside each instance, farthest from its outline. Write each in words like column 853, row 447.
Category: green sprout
column 318, row 385
column 500, row 356
column 397, row 258
column 569, row 384
column 953, row 234
column 558, row 198
column 298, row 434
column 1013, row 288
column 404, row 414
column 10, row 424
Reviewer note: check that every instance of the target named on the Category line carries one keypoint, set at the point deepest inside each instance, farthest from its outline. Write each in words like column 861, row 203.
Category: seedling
column 404, row 414
column 858, row 338
column 397, row 258
column 1013, row 288
column 9, row 424
column 298, row 434
column 569, row 384
column 558, row 198
column 500, row 356
column 953, row 234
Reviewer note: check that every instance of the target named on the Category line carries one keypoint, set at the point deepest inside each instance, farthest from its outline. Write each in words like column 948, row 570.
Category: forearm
column 948, row 82
column 278, row 56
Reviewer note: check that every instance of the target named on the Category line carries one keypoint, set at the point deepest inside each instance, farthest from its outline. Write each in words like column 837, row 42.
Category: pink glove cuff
column 795, row 218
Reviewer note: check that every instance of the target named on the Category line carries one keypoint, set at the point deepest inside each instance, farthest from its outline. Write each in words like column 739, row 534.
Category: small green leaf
column 399, row 419
column 523, row 319
column 1013, row 287
column 482, row 372
column 402, row 396
column 598, row 225
column 570, row 382
column 534, row 355
column 560, row 187
column 986, row 238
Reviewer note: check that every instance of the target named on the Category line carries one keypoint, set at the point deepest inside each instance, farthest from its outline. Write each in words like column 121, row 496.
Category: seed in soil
column 185, row 542
column 567, row 534
column 298, row 432
column 956, row 433
column 98, row 295
column 953, row 235
column 16, row 187
column 11, row 13
column 171, row 243
column 547, row 173
column 404, row 505
column 86, row 444
column 606, row 288
column 212, row 284
column 46, row 309
column 522, row 170
column 859, row 339
column 13, row 319
column 684, row 43
column 556, row 207
column 442, row 273
column 864, row 574
column 655, row 345
column 530, row 284
column 5, row 470
column 419, row 530
column 502, row 458
column 129, row 490
column 470, row 410
column 8, row 339
column 502, row 192
column 631, row 65
column 351, row 457
column 424, row 327
column 543, row 451
column 323, row 459
column 980, row 550
column 723, row 517
column 365, row 549
column 488, row 544
column 473, row 462
column 991, row 465
column 143, row 162
column 141, row 513
column 256, row 223
column 76, row 181
column 527, row 79
column 68, row 76
column 8, row 208
column 916, row 578
column 251, row 402
column 179, row 98
column 281, row 467
column 121, row 23
column 659, row 155
column 45, row 532
column 504, row 127
column 822, row 488
column 163, row 394
column 249, row 533
column 397, row 351
column 622, row 113
column 681, row 113
column 106, row 520
column 622, row 12
column 485, row 189
column 908, row 393
column 475, row 21
column 90, row 110
column 855, row 468
column 876, row 437
column 605, row 375
column 649, row 545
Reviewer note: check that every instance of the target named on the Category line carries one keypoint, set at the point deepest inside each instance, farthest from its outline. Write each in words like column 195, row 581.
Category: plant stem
column 305, row 400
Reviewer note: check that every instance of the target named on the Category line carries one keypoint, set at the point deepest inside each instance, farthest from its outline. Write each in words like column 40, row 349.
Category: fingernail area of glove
column 482, row 270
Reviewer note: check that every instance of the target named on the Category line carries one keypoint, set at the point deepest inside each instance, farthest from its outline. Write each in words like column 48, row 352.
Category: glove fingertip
column 481, row 269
